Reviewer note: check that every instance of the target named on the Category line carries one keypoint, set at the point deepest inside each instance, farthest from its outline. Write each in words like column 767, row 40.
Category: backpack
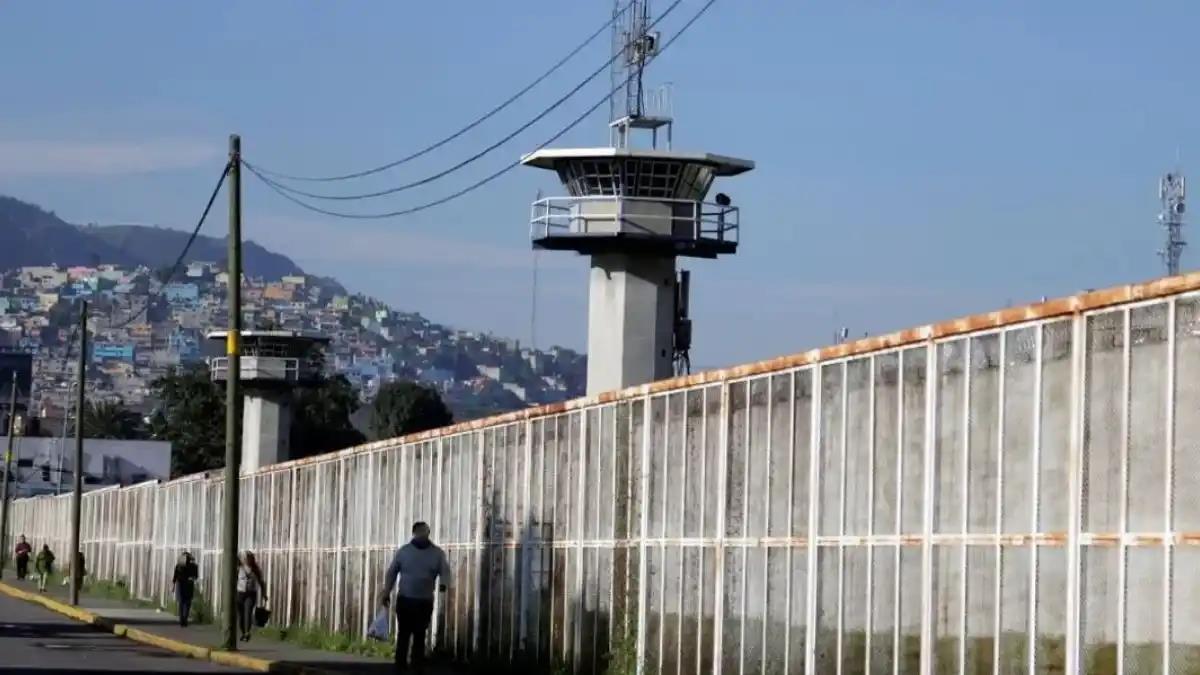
column 246, row 582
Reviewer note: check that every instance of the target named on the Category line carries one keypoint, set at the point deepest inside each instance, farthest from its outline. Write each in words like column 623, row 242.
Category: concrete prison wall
column 1012, row 490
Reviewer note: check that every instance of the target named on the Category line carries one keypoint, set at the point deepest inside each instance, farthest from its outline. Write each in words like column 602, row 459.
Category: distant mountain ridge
column 30, row 235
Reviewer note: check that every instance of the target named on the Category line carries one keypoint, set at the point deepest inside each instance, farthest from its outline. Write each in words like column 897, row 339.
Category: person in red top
column 23, row 550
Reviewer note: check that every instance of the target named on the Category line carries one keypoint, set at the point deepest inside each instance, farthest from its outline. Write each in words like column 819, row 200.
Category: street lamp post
column 62, row 439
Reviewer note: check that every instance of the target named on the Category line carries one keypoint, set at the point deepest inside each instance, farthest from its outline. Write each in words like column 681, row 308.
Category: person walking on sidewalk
column 183, row 583
column 82, row 567
column 44, row 566
column 22, row 554
column 249, row 585
column 418, row 564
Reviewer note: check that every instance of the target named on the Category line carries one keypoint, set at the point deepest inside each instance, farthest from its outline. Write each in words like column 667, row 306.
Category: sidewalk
column 135, row 621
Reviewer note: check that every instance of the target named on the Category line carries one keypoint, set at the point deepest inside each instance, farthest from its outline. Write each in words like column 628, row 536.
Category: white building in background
column 45, row 465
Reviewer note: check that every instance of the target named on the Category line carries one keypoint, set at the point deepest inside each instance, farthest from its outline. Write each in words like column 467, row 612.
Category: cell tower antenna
column 1172, row 190
column 634, row 46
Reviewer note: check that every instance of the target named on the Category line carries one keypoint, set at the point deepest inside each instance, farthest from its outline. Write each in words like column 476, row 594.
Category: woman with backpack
column 249, row 586
column 44, row 566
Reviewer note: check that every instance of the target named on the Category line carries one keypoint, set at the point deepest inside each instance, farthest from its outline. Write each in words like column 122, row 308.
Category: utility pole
column 12, row 431
column 233, row 439
column 77, row 472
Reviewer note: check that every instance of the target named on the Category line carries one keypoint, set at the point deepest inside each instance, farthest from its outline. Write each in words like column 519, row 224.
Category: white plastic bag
column 379, row 627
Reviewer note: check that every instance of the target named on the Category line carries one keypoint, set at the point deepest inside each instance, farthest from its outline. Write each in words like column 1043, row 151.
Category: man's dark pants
column 412, row 620
column 183, row 599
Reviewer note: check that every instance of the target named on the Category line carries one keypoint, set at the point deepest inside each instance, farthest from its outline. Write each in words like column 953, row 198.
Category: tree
column 192, row 416
column 321, row 418
column 158, row 310
column 106, row 419
column 63, row 314
column 403, row 408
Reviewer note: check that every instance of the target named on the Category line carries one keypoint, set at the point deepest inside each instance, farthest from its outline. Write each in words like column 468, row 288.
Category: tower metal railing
column 681, row 219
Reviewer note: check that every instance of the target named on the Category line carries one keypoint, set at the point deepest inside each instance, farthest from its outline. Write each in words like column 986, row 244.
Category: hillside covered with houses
column 141, row 328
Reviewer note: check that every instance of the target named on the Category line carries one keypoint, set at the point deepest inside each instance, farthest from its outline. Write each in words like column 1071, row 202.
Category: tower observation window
column 634, row 177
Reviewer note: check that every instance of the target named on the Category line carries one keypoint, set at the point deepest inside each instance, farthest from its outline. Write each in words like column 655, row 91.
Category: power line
column 182, row 254
column 282, row 190
column 488, row 115
column 482, row 153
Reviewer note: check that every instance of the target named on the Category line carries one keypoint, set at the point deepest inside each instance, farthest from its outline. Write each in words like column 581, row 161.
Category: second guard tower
column 273, row 363
column 634, row 210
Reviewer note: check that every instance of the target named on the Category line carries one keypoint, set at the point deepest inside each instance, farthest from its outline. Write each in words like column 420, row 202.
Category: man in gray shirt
column 418, row 564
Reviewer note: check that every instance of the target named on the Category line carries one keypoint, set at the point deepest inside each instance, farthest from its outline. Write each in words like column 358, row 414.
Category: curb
column 198, row 652
column 184, row 648
column 235, row 660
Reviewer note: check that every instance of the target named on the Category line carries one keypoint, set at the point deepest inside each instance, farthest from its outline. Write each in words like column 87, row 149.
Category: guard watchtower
column 273, row 364
column 634, row 211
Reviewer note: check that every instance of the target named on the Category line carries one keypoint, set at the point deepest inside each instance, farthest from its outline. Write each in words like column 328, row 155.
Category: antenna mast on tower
column 1171, row 193
column 634, row 47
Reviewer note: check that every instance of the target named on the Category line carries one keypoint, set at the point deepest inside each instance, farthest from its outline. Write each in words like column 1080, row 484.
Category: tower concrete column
column 266, row 428
column 631, row 312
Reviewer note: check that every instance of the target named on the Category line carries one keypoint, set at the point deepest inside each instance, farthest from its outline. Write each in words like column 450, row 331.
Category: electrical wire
column 182, row 254
column 486, row 116
column 482, row 153
column 281, row 191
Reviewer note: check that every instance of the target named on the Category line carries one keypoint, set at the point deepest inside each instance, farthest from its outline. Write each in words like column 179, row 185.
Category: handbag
column 379, row 627
column 261, row 616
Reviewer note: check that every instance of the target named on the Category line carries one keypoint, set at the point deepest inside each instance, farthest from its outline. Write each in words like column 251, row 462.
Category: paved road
column 37, row 641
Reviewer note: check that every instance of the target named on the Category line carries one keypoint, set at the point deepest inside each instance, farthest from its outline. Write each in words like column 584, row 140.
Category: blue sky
column 916, row 160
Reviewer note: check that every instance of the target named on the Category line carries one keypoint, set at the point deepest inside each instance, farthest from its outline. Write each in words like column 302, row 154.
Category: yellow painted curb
column 237, row 660
column 194, row 651
column 52, row 605
column 217, row 656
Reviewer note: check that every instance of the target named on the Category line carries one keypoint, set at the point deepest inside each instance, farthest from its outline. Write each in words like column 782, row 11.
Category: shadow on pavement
column 76, row 670
column 432, row 667
column 34, row 630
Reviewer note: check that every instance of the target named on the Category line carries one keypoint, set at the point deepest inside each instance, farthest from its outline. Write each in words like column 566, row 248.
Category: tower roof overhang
column 273, row 335
column 551, row 158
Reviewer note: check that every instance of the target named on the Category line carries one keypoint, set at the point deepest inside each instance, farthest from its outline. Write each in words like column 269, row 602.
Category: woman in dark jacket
column 23, row 551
